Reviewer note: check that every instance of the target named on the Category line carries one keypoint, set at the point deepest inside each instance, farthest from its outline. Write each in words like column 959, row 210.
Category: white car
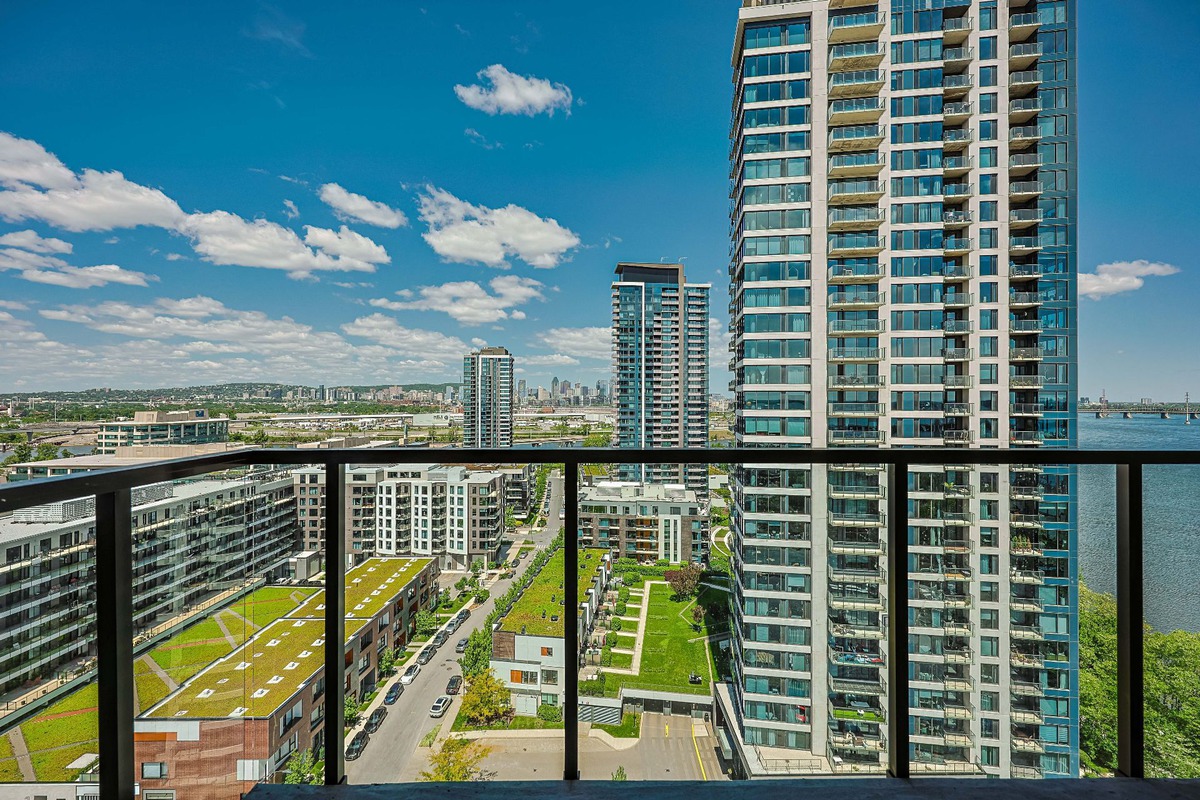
column 410, row 674
column 440, row 705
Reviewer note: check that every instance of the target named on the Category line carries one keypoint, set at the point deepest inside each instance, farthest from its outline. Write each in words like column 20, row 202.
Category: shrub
column 623, row 594
column 616, row 624
column 620, row 609
column 632, row 578
column 549, row 713
column 593, row 688
column 610, row 639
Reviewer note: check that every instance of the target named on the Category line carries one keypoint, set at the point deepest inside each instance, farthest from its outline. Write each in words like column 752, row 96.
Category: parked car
column 410, row 674
column 357, row 745
column 462, row 615
column 425, row 657
column 375, row 720
column 454, row 685
column 440, row 638
column 461, row 647
column 393, row 693
column 440, row 705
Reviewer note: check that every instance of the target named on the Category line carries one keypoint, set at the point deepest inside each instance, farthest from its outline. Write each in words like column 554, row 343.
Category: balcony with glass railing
column 1024, row 244
column 957, row 85
column 855, row 109
column 958, row 189
column 856, row 381
column 957, row 112
column 1024, row 109
column 856, row 409
column 844, row 192
column 1021, row 83
column 957, row 57
column 855, row 137
column 855, row 272
column 954, row 166
column 853, row 165
column 957, row 29
column 1025, row 217
column 844, row 354
column 853, row 300
column 956, row 219
column 957, row 138
column 1024, row 136
column 858, row 83
column 1022, row 26
column 857, row 55
column 856, row 327
column 855, row 244
column 957, row 245
column 958, row 299
column 855, row 218
column 1022, row 272
column 1025, row 190
column 859, row 27
column 1022, row 55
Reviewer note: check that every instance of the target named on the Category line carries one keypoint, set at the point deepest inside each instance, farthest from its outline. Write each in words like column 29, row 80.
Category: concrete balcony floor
column 813, row 789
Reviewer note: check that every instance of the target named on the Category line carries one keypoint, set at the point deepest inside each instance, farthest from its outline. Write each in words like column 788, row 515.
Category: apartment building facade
column 193, row 540
column 488, row 398
column 903, row 264
column 660, row 368
column 362, row 485
column 162, row 428
column 450, row 513
column 647, row 522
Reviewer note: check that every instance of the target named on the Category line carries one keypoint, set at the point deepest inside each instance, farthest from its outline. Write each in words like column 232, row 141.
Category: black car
column 393, row 693
column 454, row 685
column 461, row 647
column 375, row 720
column 462, row 615
column 426, row 656
column 357, row 745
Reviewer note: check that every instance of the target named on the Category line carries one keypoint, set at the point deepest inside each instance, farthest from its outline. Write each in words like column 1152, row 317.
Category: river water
column 1172, row 509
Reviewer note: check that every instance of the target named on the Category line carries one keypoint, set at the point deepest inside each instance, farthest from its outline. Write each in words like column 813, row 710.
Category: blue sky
column 304, row 196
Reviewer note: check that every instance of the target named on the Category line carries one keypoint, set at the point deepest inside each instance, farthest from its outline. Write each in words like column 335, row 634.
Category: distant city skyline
column 142, row 238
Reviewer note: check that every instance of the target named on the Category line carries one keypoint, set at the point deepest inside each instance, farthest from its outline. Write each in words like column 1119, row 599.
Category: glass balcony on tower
column 958, row 299
column 957, row 29
column 1024, row 82
column 1024, row 299
column 856, row 409
column 856, row 165
column 855, row 218
column 855, row 109
column 954, row 166
column 956, row 381
column 958, row 409
column 856, row 300
column 958, row 354
column 1018, row 245
column 1025, row 217
column 957, row 113
column 1024, row 190
column 855, row 381
column 857, row 55
column 957, row 138
column 1022, row 26
column 855, row 137
column 957, row 57
column 1024, row 272
column 846, row 354
column 1025, row 410
column 1026, row 354
column 855, row 244
column 957, row 245
column 1022, row 55
column 1024, row 136
column 852, row 192
column 859, row 83
column 1026, row 326
column 956, row 219
column 858, row 271
column 957, row 85
column 856, row 27
column 1024, row 109
column 855, row 327
column 957, row 326
column 1022, row 163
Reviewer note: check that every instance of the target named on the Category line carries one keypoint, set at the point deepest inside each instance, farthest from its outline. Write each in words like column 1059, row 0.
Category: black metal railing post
column 335, row 623
column 114, row 643
column 571, row 620
column 897, row 627
column 1130, row 626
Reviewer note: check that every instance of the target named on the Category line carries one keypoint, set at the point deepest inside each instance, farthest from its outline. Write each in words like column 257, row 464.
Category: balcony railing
column 113, row 492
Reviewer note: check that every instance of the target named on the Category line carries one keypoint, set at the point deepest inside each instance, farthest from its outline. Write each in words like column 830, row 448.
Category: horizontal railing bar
column 23, row 494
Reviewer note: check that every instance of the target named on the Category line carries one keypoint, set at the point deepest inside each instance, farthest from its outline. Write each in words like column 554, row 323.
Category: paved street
column 392, row 747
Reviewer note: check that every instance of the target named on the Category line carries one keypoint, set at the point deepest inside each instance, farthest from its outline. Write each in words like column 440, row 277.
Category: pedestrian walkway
column 21, row 751
column 635, row 668
column 160, row 672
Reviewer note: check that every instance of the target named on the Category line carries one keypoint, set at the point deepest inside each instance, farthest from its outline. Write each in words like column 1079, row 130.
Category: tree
column 351, row 708
column 478, row 653
column 302, row 768
column 486, row 700
column 477, row 566
column 456, row 760
column 620, row 775
column 387, row 660
column 685, row 580
column 258, row 437
column 482, row 596
column 21, row 453
column 697, row 616
column 426, row 623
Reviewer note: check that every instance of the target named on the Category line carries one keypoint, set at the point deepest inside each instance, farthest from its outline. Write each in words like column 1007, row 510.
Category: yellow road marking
column 699, row 760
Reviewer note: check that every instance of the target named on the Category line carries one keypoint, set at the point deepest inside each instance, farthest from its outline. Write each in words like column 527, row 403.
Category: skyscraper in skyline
column 488, row 398
column 903, row 264
column 660, row 368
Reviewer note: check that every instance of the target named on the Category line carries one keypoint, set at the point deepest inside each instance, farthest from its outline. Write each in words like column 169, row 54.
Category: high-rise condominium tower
column 488, row 398
column 904, row 261
column 660, row 368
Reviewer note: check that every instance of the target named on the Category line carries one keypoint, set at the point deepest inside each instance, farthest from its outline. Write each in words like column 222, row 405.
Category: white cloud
column 174, row 257
column 29, row 240
column 223, row 238
column 289, row 209
column 478, row 138
column 466, row 233
column 347, row 243
column 87, row 277
column 13, row 305
column 468, row 302
column 505, row 92
column 355, row 207
column 554, row 360
column 581, row 342
column 420, row 344
column 477, row 342
column 100, row 201
column 1120, row 276
column 26, row 163
column 718, row 340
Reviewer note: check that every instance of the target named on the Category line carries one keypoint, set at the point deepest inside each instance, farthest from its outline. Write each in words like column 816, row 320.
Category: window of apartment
column 989, row 373
column 989, row 429
column 547, row 651
column 988, row 292
column 988, row 130
column 989, row 673
column 988, row 319
column 520, row 676
column 989, row 619
column 988, row 184
column 989, row 509
column 989, row 401
column 988, row 265
column 989, row 564
column 550, row 677
column 989, row 756
column 155, row 770
column 989, row 728
column 989, row 537
column 989, row 591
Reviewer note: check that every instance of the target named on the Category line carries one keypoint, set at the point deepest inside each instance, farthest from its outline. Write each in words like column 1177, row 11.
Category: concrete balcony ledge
column 814, row 788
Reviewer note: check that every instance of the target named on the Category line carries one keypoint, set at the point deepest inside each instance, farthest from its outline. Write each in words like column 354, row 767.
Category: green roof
column 258, row 677
column 368, row 586
column 543, row 598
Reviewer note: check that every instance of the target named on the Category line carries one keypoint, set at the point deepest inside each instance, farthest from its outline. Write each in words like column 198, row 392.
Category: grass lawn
column 517, row 723
column 630, row 727
column 55, row 741
column 622, row 660
column 10, row 771
column 668, row 657
column 542, row 599
column 150, row 687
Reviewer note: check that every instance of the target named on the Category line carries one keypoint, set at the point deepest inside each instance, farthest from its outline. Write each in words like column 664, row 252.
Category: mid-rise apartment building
column 660, row 368
column 903, row 275
column 488, row 398
column 358, row 514
column 162, row 428
column 192, row 541
column 646, row 522
column 239, row 720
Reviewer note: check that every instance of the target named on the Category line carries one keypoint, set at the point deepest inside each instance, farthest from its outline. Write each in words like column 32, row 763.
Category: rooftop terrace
column 368, row 587
column 543, row 599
